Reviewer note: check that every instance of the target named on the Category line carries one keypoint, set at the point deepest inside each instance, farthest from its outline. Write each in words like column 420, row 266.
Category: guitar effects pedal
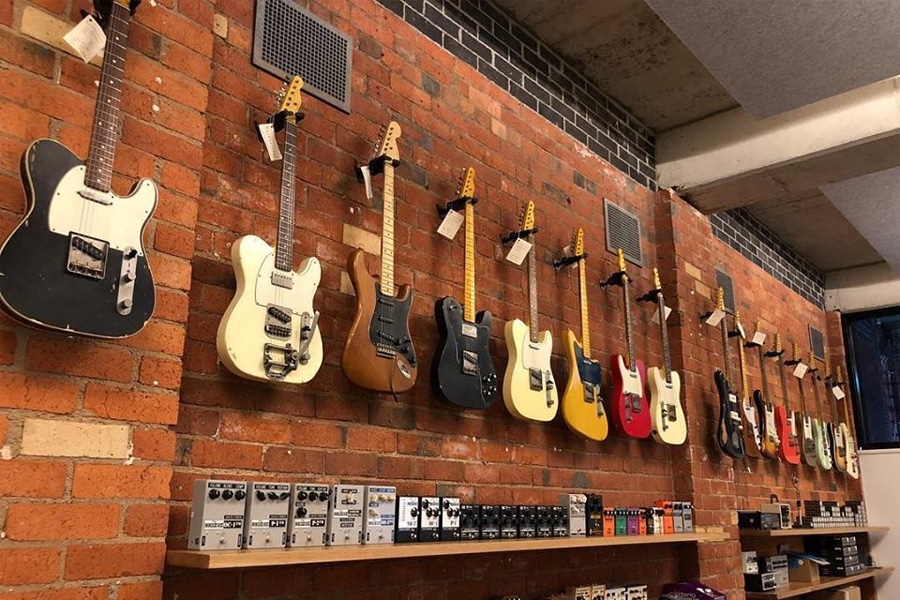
column 527, row 521
column 559, row 519
column 598, row 591
column 621, row 521
column 632, row 527
column 308, row 522
column 575, row 503
column 430, row 519
column 678, row 517
column 509, row 521
column 490, row 522
column 593, row 514
column 266, row 515
column 450, row 518
column 636, row 592
column 618, row 593
column 408, row 511
column 687, row 514
column 470, row 522
column 345, row 515
column 217, row 515
column 381, row 511
column 582, row 592
column 543, row 521
column 609, row 522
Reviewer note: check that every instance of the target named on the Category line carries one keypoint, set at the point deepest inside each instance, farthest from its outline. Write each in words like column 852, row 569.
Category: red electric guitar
column 785, row 418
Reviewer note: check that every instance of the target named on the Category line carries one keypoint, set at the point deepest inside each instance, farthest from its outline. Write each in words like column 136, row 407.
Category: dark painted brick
column 431, row 85
column 550, row 114
column 493, row 74
column 514, row 73
column 524, row 97
column 477, row 47
column 446, row 24
column 461, row 52
column 422, row 24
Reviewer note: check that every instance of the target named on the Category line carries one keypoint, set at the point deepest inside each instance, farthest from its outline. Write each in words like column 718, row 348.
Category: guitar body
column 666, row 413
column 807, row 440
column 36, row 285
column 378, row 354
column 823, row 449
column 251, row 341
column 852, row 457
column 751, row 431
column 529, row 390
column 770, row 439
column 462, row 371
column 582, row 405
column 630, row 410
column 841, row 435
column 728, row 433
column 786, row 426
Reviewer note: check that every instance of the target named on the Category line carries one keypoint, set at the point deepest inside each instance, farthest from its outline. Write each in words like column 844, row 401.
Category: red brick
column 159, row 336
column 37, row 393
column 294, row 460
column 153, row 444
column 173, row 240
column 373, row 439
column 171, row 305
column 31, row 522
column 32, row 479
column 24, row 123
column 181, row 179
column 78, row 593
column 197, row 421
column 99, row 561
column 22, row 566
column 169, row 271
column 82, row 357
column 318, row 435
column 120, row 481
column 156, row 78
column 253, row 428
column 187, row 61
column 26, row 53
column 176, row 208
column 129, row 405
column 147, row 520
column 160, row 371
column 225, row 455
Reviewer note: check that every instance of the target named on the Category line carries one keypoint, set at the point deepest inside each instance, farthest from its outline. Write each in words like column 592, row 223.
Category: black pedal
column 544, row 522
column 450, row 519
column 560, row 521
column 490, row 522
column 527, row 521
column 593, row 509
column 470, row 522
column 759, row 582
column 509, row 521
column 408, row 513
column 430, row 519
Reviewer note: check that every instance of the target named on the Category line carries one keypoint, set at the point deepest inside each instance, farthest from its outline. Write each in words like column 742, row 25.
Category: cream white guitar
column 847, row 425
column 529, row 390
column 270, row 331
column 666, row 414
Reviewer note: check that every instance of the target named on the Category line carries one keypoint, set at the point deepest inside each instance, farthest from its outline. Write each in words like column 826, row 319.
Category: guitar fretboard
column 585, row 322
column 729, row 374
column 532, row 292
column 745, row 387
column 469, row 292
column 629, row 334
column 105, row 130
column 387, row 235
column 284, row 245
column 784, row 387
column 664, row 333
column 762, row 372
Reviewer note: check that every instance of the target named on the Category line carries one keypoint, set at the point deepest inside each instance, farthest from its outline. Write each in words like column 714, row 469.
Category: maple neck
column 729, row 375
column 629, row 334
column 745, row 394
column 284, row 245
column 817, row 397
column 762, row 372
column 469, row 291
column 585, row 322
column 784, row 386
column 664, row 334
column 532, row 292
column 802, row 395
column 387, row 235
column 105, row 130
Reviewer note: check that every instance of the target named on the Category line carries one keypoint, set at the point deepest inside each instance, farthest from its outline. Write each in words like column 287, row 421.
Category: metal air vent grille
column 723, row 280
column 817, row 343
column 623, row 230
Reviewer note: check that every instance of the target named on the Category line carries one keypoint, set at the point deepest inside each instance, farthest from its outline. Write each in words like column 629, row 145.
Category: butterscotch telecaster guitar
column 852, row 449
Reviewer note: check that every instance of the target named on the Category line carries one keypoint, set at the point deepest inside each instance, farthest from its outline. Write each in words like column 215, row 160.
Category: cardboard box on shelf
column 849, row 592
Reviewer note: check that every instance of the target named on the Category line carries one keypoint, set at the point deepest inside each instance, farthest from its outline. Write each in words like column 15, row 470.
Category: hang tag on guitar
column 655, row 318
column 267, row 133
column 87, row 39
column 741, row 331
column 800, row 370
column 715, row 318
column 518, row 252
column 759, row 338
column 838, row 393
column 451, row 224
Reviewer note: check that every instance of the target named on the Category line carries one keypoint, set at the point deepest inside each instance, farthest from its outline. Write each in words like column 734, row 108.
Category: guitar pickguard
column 589, row 372
column 462, row 371
column 388, row 328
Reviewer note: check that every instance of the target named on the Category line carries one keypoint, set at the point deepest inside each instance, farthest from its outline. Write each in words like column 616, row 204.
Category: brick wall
column 104, row 439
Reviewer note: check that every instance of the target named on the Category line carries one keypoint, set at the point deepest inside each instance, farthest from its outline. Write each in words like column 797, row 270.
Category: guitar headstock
column 812, row 362
column 795, row 352
column 778, row 349
column 757, row 327
column 466, row 187
column 387, row 142
column 578, row 242
column 720, row 299
column 839, row 375
column 656, row 283
column 827, row 370
column 527, row 221
column 102, row 8
column 737, row 323
column 621, row 258
column 292, row 100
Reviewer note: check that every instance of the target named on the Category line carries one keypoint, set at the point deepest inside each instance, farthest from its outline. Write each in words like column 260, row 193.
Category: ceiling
column 682, row 61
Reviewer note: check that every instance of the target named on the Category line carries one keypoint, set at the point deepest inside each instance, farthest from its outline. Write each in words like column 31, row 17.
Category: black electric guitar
column 76, row 263
column 729, row 433
column 462, row 371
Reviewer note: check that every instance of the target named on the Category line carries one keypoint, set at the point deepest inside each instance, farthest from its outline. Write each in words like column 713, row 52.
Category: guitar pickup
column 278, row 322
column 278, row 361
column 469, row 362
column 282, row 280
column 536, row 379
column 591, row 393
column 87, row 256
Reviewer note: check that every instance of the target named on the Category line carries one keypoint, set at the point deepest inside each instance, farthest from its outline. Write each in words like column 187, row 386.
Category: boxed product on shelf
column 849, row 592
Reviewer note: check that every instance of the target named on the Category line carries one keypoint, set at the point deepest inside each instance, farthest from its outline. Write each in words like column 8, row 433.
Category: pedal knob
column 301, row 512
column 273, row 496
column 303, row 496
column 239, row 495
column 414, row 512
column 213, row 494
column 284, row 495
column 313, row 496
column 260, row 495
column 227, row 494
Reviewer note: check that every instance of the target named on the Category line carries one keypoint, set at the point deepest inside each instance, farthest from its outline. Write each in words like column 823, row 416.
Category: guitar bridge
column 87, row 256
column 278, row 322
column 469, row 362
column 536, row 379
column 278, row 361
column 591, row 393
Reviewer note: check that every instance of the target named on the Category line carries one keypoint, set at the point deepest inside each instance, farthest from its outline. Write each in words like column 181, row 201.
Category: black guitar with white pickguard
column 76, row 263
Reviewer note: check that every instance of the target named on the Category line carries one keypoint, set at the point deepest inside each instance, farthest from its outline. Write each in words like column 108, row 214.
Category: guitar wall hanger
column 651, row 296
column 457, row 205
column 277, row 120
column 512, row 236
column 566, row 261
column 614, row 279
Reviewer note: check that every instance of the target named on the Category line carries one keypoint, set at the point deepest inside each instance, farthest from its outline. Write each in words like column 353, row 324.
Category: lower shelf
column 237, row 559
column 798, row 588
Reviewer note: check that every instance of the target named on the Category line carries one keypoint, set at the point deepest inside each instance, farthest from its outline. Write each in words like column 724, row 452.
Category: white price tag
column 451, row 224
column 518, row 252
column 715, row 318
column 800, row 370
column 838, row 393
column 267, row 132
column 86, row 38
column 655, row 318
column 759, row 338
column 740, row 328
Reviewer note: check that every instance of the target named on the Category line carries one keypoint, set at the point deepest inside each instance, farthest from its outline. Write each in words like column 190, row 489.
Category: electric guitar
column 529, row 390
column 270, row 331
column 630, row 409
column 582, row 406
column 820, row 427
column 462, row 370
column 766, row 408
column 807, row 439
column 785, row 418
column 379, row 354
column 729, row 433
column 838, row 430
column 76, row 263
column 752, row 417
column 852, row 450
column 666, row 413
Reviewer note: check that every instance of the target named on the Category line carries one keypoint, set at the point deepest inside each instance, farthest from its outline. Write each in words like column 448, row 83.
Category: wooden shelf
column 798, row 588
column 798, row 532
column 237, row 559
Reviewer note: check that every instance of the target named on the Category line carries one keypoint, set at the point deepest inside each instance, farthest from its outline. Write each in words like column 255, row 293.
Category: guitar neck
column 745, row 392
column 469, row 291
column 762, row 372
column 387, row 235
column 284, row 245
column 725, row 343
column 532, row 292
column 664, row 334
column 817, row 397
column 784, row 386
column 585, row 322
column 629, row 335
column 105, row 130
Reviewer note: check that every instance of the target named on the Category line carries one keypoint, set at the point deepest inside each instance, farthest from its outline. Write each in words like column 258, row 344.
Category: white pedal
column 381, row 513
column 266, row 515
column 308, row 524
column 345, row 515
column 217, row 515
column 575, row 505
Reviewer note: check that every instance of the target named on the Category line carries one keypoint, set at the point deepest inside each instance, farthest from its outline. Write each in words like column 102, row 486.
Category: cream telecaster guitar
column 529, row 390
column 820, row 427
column 852, row 453
column 807, row 438
column 270, row 331
column 666, row 414
column 838, row 429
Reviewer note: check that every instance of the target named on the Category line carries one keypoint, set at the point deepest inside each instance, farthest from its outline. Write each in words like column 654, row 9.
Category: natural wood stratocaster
column 852, row 449
column 666, row 413
column 838, row 428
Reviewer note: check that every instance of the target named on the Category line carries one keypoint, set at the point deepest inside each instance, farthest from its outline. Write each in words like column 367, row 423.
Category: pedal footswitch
column 345, row 515
column 381, row 512
column 408, row 509
column 430, row 519
column 490, row 522
column 308, row 523
column 450, row 519
column 509, row 521
column 217, row 515
column 527, row 521
column 266, row 515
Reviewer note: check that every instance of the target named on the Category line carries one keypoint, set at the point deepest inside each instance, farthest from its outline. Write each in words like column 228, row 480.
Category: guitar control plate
column 127, row 277
column 87, row 256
